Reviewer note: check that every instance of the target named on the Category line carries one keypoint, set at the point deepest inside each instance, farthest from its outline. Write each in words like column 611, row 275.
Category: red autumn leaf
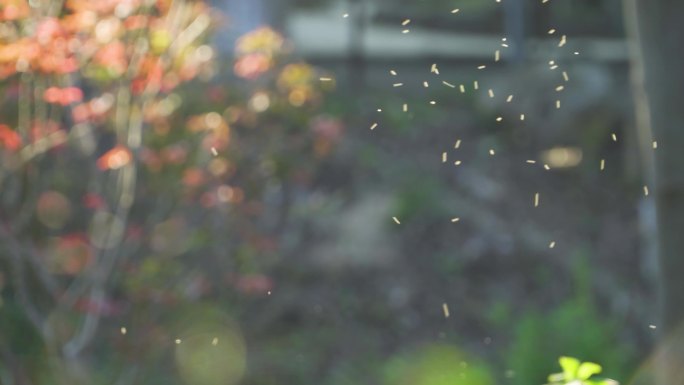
column 72, row 254
column 115, row 158
column 93, row 201
column 216, row 94
column 135, row 232
column 208, row 200
column 252, row 66
column 9, row 139
column 193, row 177
column 47, row 30
column 151, row 159
column 52, row 95
column 104, row 307
column 174, row 154
column 80, row 113
column 136, row 22
column 113, row 57
column 14, row 9
column 253, row 283
column 67, row 65
column 71, row 95
column 40, row 130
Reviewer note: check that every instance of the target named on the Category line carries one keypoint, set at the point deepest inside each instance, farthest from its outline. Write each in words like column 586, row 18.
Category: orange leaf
column 115, row 158
column 9, row 139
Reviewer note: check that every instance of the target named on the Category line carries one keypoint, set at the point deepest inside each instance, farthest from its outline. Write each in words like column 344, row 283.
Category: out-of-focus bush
column 130, row 187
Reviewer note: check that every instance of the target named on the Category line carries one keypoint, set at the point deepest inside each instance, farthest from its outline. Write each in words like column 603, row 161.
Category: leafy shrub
column 578, row 373
column 574, row 327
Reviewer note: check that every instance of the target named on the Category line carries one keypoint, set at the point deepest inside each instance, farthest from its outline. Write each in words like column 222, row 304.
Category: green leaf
column 605, row 381
column 570, row 366
column 588, row 369
column 556, row 377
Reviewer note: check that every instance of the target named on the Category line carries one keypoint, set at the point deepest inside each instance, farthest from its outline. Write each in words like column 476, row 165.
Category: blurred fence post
column 514, row 21
column 357, row 31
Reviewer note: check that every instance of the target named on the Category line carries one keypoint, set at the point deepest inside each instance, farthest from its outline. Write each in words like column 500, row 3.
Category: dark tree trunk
column 658, row 35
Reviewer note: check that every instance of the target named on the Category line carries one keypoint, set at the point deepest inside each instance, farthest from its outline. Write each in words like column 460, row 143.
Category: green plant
column 578, row 373
column 538, row 335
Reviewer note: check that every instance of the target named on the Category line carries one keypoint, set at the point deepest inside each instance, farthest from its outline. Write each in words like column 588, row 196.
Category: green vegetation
column 578, row 373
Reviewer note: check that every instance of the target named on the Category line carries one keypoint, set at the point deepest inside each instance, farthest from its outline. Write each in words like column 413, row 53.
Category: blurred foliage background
column 182, row 205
